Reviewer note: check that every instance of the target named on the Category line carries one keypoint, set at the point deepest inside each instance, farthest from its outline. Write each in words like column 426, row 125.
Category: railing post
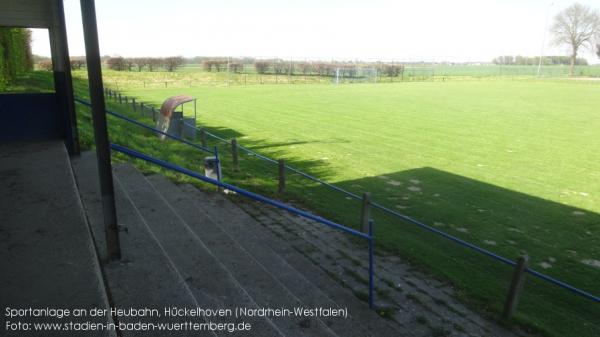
column 365, row 212
column 133, row 103
column 120, row 99
column 203, row 137
column 281, row 163
column 234, row 154
column 126, row 100
column 154, row 114
column 142, row 108
column 516, row 287
column 217, row 163
column 371, row 266
column 218, row 166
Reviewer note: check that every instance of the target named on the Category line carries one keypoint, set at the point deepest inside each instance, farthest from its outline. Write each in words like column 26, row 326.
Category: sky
column 386, row 30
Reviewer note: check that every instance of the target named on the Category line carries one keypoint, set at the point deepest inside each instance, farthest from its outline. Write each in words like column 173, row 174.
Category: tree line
column 45, row 63
column 546, row 60
column 283, row 67
column 144, row 63
column 15, row 54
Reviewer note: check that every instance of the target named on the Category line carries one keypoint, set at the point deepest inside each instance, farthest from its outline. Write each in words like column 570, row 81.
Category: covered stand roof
column 171, row 103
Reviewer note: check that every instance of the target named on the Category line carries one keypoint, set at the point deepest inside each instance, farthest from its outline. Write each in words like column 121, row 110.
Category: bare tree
column 261, row 67
column 576, row 26
column 305, row 67
column 154, row 63
column 77, row 64
column 173, row 62
column 140, row 62
column 45, row 65
column 116, row 63
column 128, row 63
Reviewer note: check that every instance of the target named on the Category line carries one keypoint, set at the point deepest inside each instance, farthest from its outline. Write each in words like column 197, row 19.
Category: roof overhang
column 29, row 13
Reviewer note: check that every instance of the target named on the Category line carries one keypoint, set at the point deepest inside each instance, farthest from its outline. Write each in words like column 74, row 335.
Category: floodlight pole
column 228, row 76
column 92, row 53
column 539, row 69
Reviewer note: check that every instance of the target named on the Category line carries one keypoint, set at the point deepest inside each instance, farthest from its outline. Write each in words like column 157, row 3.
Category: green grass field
column 509, row 165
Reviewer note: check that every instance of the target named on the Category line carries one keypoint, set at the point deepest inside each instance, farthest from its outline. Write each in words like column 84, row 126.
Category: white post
column 290, row 72
column 227, row 70
column 539, row 69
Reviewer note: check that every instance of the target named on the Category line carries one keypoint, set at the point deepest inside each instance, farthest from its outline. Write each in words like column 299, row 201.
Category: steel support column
column 62, row 75
column 92, row 51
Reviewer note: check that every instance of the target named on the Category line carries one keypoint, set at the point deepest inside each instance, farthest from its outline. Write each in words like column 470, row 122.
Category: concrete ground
column 47, row 257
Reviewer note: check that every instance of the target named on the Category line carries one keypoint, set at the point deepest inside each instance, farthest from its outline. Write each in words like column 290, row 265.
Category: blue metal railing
column 413, row 221
column 369, row 237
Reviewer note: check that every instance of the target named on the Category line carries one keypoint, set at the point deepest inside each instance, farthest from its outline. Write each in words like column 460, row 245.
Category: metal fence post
column 217, row 163
column 234, row 154
column 281, row 163
column 133, row 103
column 154, row 114
column 126, row 100
column 120, row 99
column 203, row 137
column 516, row 287
column 371, row 266
column 142, row 108
column 218, row 167
column 365, row 212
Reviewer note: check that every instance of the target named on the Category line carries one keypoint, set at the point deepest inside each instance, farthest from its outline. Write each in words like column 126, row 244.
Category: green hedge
column 15, row 54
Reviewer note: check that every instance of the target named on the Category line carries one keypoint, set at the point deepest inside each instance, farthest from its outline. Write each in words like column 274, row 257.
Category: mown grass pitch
column 512, row 166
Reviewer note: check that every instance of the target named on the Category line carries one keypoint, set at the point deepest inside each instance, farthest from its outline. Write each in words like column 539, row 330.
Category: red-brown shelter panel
column 163, row 122
column 171, row 103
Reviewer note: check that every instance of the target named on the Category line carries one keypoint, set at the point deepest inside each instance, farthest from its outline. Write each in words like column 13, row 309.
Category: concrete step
column 192, row 249
column 145, row 277
column 47, row 255
column 417, row 301
column 213, row 283
column 242, row 248
column 291, row 268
